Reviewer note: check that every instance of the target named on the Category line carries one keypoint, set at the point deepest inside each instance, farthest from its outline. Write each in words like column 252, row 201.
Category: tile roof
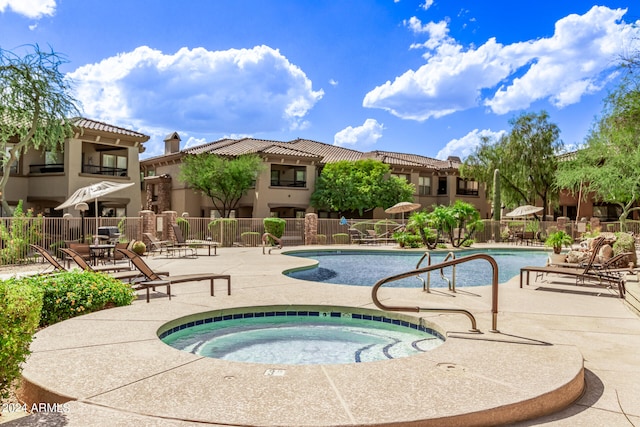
column 401, row 159
column 104, row 127
column 306, row 148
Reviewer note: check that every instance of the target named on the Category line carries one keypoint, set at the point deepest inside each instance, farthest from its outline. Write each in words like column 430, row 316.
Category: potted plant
column 139, row 247
column 556, row 241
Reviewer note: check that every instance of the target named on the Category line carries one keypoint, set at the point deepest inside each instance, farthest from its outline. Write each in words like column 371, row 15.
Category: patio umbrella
column 403, row 207
column 93, row 192
column 524, row 211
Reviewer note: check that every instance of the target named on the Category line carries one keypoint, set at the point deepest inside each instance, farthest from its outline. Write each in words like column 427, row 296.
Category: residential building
column 285, row 185
column 97, row 151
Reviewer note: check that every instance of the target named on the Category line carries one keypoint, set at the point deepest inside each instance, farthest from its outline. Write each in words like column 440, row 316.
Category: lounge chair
column 157, row 245
column 53, row 262
column 587, row 271
column 119, row 272
column 181, row 241
column 357, row 237
column 155, row 277
column 169, row 247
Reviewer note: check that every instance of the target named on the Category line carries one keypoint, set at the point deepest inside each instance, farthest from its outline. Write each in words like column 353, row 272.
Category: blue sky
column 427, row 77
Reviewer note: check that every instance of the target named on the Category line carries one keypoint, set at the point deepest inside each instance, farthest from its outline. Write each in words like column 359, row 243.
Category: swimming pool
column 365, row 268
column 300, row 335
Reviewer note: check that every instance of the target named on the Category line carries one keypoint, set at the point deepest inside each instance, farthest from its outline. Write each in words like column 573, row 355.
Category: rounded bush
column 74, row 293
column 341, row 238
column 20, row 305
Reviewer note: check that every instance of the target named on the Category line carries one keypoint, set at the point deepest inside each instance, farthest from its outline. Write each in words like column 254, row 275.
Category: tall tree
column 608, row 164
column 223, row 180
column 358, row 186
column 526, row 158
column 36, row 108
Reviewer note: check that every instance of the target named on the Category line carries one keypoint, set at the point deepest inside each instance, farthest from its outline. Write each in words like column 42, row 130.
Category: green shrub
column 322, row 239
column 20, row 305
column 223, row 230
column 24, row 229
column 406, row 239
column 139, row 247
column 341, row 238
column 624, row 243
column 73, row 293
column 274, row 226
column 184, row 226
column 250, row 238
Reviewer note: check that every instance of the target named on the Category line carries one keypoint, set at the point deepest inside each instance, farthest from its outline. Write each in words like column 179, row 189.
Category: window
column 424, row 185
column 14, row 165
column 404, row 176
column 467, row 187
column 300, row 179
column 275, row 177
column 52, row 158
column 442, row 185
column 114, row 165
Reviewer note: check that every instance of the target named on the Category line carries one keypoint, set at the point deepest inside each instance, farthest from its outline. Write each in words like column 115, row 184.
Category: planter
column 555, row 259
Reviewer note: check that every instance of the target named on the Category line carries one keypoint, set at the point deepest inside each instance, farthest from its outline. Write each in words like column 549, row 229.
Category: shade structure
column 93, row 192
column 524, row 211
column 403, row 207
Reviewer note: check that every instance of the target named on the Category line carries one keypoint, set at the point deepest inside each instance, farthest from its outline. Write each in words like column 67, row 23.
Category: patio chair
column 582, row 273
column 177, row 231
column 357, row 237
column 53, row 262
column 169, row 247
column 156, row 277
column 119, row 272
column 155, row 244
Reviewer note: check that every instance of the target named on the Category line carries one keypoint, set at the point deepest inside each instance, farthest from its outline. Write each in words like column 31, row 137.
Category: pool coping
column 493, row 378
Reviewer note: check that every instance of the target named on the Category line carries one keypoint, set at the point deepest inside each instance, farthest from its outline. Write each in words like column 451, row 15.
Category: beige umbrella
column 403, row 207
column 523, row 212
column 93, row 192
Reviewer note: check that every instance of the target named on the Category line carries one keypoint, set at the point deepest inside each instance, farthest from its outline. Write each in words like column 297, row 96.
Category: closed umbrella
column 93, row 192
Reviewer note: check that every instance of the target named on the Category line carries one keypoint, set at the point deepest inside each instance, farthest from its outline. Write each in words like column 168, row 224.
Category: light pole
column 82, row 207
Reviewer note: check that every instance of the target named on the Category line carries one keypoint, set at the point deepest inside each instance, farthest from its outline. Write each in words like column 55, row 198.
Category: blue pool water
column 365, row 268
column 301, row 337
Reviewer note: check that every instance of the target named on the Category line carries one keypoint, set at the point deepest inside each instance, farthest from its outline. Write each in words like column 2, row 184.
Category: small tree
column 358, row 186
column 223, row 180
column 35, row 107
column 24, row 229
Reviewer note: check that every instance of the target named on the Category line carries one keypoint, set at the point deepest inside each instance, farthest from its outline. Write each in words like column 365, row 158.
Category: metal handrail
column 425, row 286
column 450, row 283
column 264, row 242
column 494, row 290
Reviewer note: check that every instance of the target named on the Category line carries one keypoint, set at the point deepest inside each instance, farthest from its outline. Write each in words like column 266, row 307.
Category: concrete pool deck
column 114, row 371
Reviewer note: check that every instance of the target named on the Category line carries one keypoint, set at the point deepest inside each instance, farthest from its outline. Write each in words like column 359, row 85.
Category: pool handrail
column 425, row 285
column 265, row 241
column 450, row 283
column 494, row 290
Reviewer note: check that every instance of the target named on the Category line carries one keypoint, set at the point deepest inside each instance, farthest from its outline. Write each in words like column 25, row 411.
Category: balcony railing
column 46, row 168
column 288, row 183
column 104, row 170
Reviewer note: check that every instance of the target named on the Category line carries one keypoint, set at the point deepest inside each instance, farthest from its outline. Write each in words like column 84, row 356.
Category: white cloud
column 34, row 9
column 427, row 4
column 333, row 82
column 360, row 136
column 197, row 91
column 577, row 60
column 466, row 145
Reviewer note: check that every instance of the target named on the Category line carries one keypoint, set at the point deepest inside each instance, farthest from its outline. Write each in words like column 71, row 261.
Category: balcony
column 103, row 170
column 46, row 168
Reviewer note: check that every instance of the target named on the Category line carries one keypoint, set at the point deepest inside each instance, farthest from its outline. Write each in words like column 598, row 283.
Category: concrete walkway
column 116, row 372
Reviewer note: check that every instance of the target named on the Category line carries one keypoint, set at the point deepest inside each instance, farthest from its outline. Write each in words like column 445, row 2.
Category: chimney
column 172, row 143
